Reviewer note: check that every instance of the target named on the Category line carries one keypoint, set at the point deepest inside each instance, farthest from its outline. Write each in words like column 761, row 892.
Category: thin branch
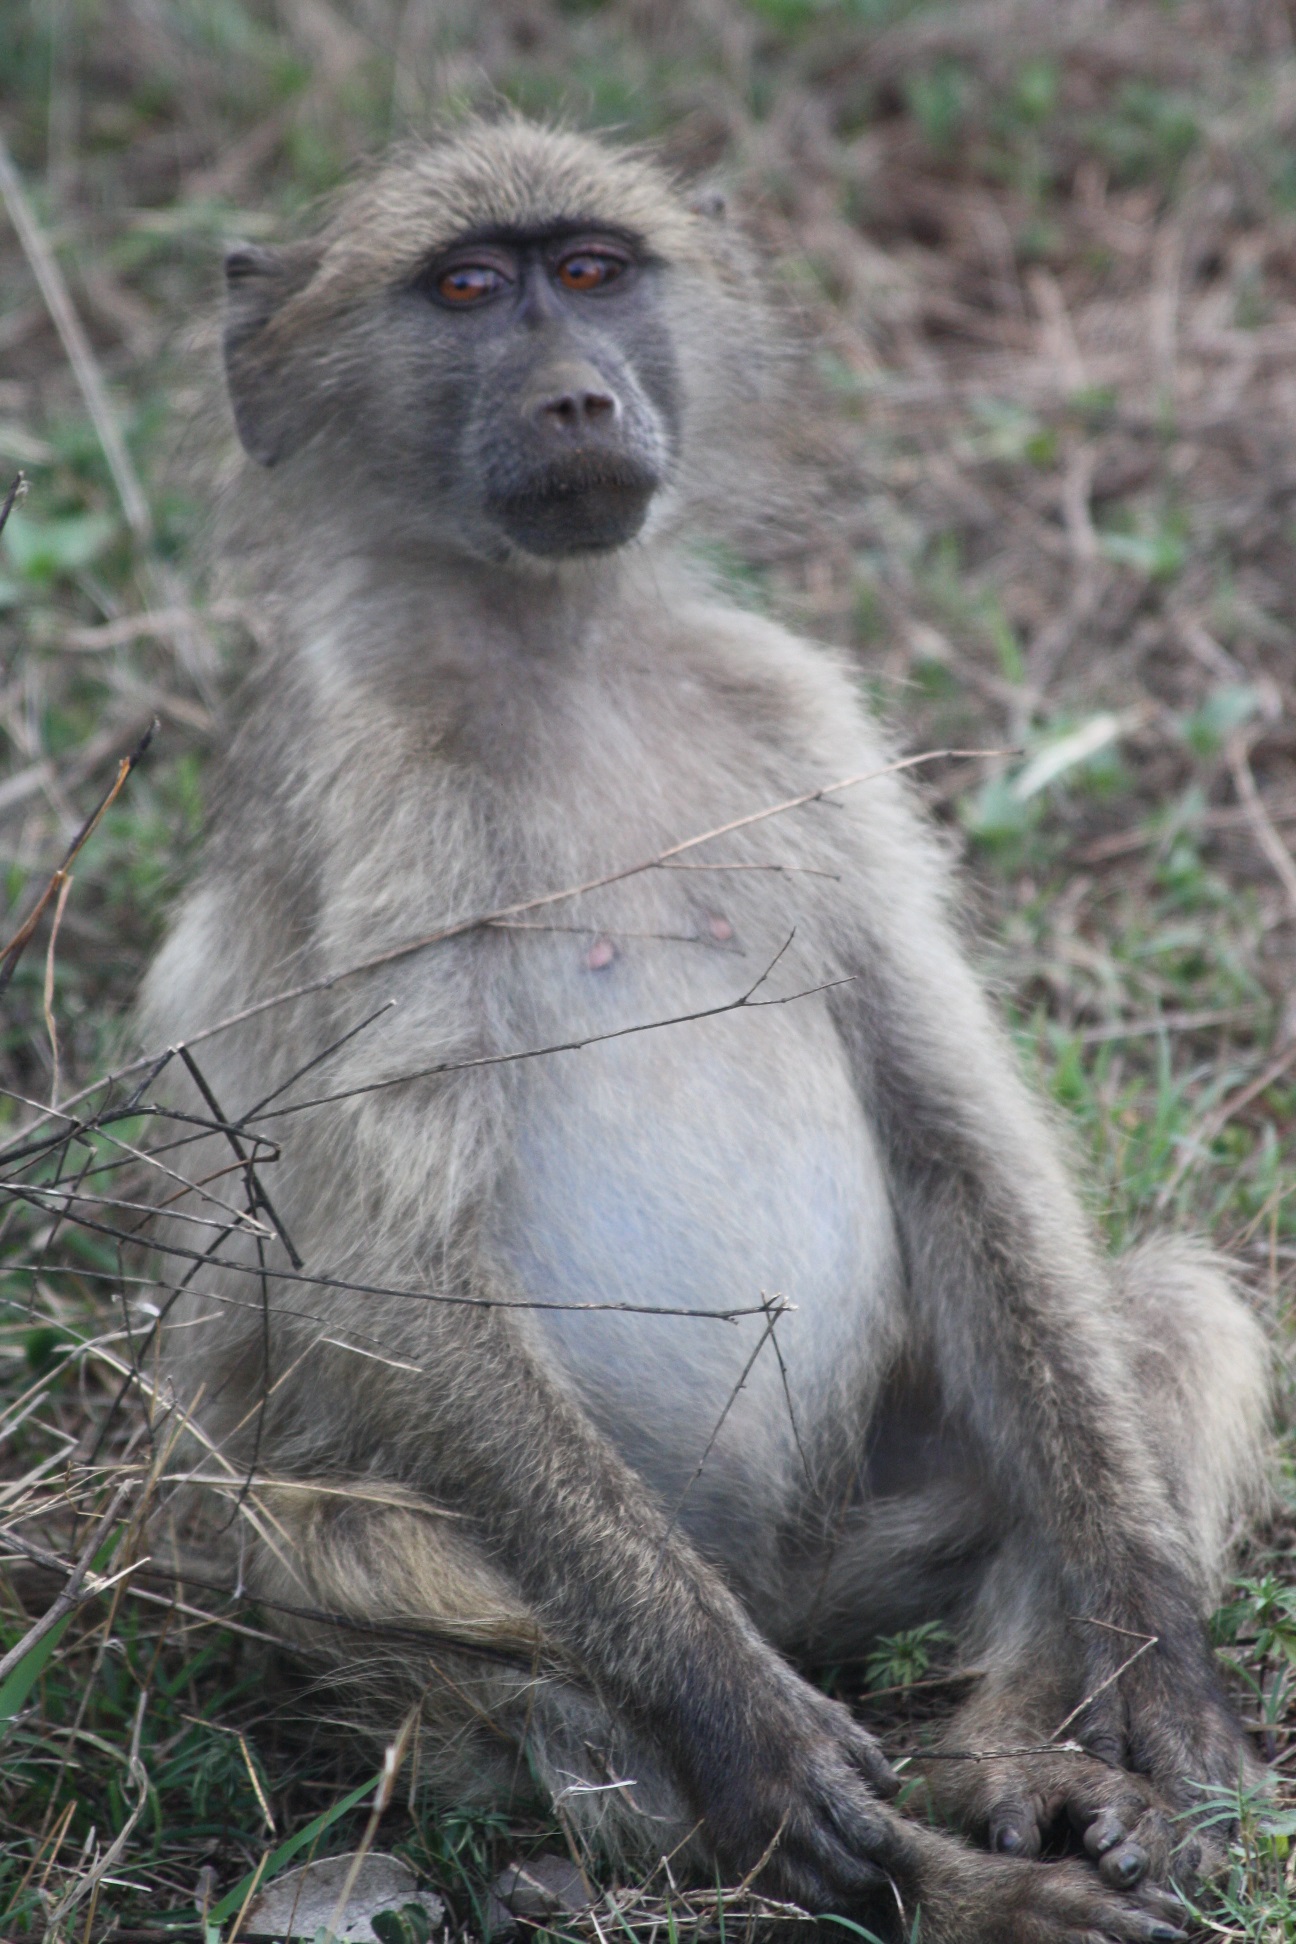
column 787, row 1398
column 318, row 1059
column 25, row 1190
column 74, row 1593
column 772, row 1307
column 393, row 1759
column 48, row 995
column 204, row 1260
column 1262, row 825
column 17, row 491
column 257, row 1196
column 58, row 301
column 1103, row 1686
column 460, row 926
column 18, row 944
column 744, row 1002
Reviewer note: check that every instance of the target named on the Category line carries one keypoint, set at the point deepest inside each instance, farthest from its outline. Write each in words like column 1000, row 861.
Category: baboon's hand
column 974, row 1899
column 796, row 1788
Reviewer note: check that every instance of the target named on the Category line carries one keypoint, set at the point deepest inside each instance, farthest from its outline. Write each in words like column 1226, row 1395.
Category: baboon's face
column 516, row 393
column 546, row 370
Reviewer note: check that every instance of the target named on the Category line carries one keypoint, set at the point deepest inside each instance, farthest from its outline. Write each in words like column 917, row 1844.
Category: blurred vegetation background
column 1046, row 256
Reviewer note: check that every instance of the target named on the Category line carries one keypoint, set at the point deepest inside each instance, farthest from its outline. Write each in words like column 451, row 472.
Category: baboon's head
column 503, row 341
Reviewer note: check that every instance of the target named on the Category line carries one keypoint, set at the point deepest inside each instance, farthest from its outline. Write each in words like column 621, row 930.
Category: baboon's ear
column 257, row 282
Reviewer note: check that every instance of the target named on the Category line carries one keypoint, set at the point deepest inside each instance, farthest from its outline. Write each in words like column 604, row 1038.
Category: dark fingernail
column 1008, row 1841
column 1166, row 1934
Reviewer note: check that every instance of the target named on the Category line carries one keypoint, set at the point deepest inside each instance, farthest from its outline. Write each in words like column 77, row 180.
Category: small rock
column 541, row 1888
column 302, row 1901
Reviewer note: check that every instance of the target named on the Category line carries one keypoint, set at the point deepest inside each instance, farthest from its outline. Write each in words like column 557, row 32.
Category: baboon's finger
column 867, row 1757
column 1013, row 1828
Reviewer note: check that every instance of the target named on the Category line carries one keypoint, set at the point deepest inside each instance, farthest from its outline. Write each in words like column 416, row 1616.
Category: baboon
column 489, row 1457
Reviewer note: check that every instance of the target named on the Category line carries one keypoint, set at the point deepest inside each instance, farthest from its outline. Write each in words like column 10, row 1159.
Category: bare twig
column 18, row 944
column 74, row 1593
column 393, row 1757
column 48, row 996
column 458, row 927
column 53, row 288
column 745, row 1002
column 773, row 1307
column 1261, row 823
column 17, row 491
column 1102, row 1687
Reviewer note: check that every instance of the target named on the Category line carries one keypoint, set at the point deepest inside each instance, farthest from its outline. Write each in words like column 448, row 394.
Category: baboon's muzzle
column 588, row 503
column 578, row 465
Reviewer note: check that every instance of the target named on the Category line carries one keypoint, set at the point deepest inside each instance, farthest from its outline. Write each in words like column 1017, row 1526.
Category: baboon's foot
column 1170, row 1720
column 1138, row 1790
column 1015, row 1804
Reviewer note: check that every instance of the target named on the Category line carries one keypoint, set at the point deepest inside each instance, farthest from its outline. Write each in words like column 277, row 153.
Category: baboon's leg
column 407, row 1608
column 402, row 1608
column 1199, row 1365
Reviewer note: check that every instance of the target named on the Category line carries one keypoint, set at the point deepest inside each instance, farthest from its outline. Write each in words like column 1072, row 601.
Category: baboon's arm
column 1015, row 1301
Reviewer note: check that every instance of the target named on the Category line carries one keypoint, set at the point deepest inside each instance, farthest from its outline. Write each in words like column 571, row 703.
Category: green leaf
column 28, row 1671
column 408, row 1925
column 1225, row 710
column 41, row 550
column 1064, row 752
column 1158, row 555
column 847, row 1923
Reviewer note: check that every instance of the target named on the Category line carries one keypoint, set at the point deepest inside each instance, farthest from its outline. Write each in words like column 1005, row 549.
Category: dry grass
column 1049, row 255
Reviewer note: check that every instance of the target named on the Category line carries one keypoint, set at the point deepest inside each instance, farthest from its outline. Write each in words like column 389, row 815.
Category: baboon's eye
column 590, row 269
column 469, row 283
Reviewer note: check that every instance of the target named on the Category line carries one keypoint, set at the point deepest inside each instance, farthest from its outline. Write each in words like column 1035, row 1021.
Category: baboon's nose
column 571, row 402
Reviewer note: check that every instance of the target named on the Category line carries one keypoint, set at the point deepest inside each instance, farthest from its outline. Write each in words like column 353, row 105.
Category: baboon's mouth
column 588, row 507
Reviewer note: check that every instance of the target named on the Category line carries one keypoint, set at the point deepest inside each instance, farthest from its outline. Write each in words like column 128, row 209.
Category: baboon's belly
column 707, row 1167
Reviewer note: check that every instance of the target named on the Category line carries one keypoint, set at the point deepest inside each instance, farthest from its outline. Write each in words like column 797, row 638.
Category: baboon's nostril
column 572, row 411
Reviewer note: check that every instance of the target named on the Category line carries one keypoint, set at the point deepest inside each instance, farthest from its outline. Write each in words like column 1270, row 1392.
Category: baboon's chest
column 709, row 1164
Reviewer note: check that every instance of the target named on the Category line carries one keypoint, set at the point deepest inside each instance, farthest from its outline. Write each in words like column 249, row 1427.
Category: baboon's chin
column 576, row 517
